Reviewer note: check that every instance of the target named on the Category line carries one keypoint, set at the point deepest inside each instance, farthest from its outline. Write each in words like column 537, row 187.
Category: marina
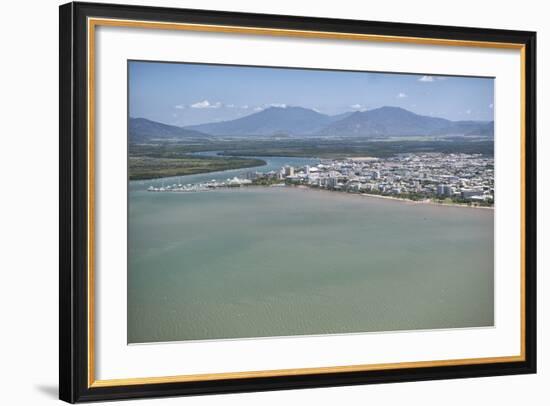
column 201, row 187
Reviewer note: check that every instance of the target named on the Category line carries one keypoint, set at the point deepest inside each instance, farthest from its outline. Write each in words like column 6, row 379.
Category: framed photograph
column 257, row 202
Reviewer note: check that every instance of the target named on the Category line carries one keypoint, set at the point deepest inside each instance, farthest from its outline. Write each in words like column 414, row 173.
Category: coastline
column 361, row 195
column 301, row 186
column 399, row 199
column 427, row 201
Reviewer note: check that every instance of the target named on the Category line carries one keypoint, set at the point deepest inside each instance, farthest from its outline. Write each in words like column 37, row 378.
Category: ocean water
column 281, row 261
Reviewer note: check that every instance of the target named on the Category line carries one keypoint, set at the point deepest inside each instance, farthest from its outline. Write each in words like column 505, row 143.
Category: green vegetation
column 266, row 181
column 485, row 203
column 313, row 147
column 150, row 167
column 336, row 149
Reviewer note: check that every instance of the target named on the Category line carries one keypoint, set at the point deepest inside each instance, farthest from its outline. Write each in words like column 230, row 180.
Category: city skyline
column 187, row 94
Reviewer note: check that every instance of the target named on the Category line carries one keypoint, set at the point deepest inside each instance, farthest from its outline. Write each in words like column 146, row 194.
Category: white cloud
column 356, row 106
column 266, row 106
column 245, row 106
column 180, row 106
column 426, row 78
column 230, row 106
column 491, row 105
column 205, row 104
column 280, row 105
column 468, row 111
column 201, row 105
column 401, row 95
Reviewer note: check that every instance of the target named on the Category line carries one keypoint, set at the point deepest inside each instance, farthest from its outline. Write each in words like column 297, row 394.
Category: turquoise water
column 258, row 262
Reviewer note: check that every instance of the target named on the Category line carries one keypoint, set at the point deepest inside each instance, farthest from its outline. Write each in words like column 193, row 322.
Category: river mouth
column 271, row 164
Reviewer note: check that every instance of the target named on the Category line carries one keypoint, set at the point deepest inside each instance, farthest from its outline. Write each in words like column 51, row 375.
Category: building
column 445, row 190
column 467, row 194
column 332, row 182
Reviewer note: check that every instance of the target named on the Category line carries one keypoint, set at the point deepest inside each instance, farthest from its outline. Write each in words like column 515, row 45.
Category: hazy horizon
column 185, row 94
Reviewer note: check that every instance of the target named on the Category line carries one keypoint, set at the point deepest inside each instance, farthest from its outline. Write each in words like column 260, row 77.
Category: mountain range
column 143, row 130
column 298, row 121
column 273, row 120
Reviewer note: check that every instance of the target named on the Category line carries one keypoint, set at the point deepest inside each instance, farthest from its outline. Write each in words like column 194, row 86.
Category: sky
column 187, row 94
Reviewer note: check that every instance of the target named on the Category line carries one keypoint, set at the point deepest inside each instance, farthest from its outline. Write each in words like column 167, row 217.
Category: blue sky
column 186, row 94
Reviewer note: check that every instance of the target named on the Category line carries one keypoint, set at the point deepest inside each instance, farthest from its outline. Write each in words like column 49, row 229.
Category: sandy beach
column 399, row 199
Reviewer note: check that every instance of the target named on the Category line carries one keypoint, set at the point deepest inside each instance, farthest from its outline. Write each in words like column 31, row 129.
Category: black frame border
column 73, row 202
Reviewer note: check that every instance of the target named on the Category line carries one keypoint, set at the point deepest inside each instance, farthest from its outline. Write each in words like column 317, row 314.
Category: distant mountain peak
column 397, row 121
column 391, row 108
column 292, row 120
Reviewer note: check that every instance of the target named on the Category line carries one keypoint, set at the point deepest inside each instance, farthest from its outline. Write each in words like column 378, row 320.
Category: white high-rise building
column 445, row 190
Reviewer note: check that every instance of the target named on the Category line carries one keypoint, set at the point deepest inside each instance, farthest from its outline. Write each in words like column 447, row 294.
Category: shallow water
column 259, row 261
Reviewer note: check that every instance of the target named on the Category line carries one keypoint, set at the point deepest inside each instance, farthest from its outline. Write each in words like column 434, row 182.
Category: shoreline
column 398, row 199
column 427, row 201
column 303, row 187
column 378, row 196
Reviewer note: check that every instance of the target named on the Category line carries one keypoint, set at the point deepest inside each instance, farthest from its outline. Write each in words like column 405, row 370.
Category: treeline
column 313, row 147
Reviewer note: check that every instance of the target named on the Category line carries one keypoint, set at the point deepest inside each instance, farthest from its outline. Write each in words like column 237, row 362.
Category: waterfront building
column 445, row 190
column 467, row 194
